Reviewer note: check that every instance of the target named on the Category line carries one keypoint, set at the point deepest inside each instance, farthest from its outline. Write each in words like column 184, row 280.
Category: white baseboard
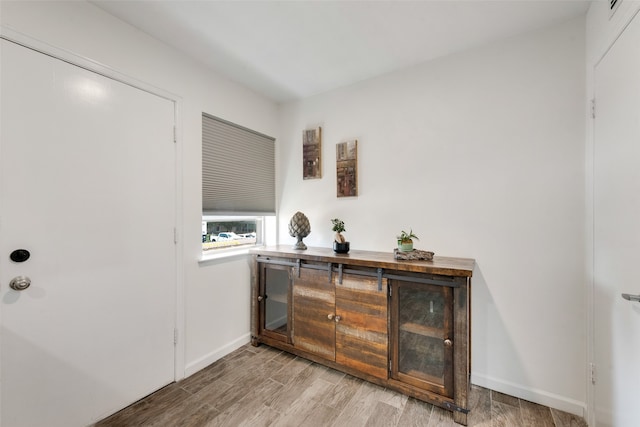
column 532, row 395
column 219, row 353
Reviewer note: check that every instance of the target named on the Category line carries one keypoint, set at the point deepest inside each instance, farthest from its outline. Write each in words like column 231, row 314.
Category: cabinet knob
column 338, row 318
column 330, row 316
column 260, row 298
column 448, row 342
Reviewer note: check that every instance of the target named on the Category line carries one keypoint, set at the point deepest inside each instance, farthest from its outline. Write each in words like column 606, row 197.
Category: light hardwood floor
column 262, row 386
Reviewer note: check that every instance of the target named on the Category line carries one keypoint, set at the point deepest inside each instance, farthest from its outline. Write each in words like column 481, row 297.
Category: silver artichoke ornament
column 299, row 228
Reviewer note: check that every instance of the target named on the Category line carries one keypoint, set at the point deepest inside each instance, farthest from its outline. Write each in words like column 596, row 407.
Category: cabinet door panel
column 313, row 313
column 422, row 319
column 275, row 317
column 362, row 331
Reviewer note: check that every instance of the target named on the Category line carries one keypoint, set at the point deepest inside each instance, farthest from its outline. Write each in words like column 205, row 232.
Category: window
column 231, row 232
column 238, row 184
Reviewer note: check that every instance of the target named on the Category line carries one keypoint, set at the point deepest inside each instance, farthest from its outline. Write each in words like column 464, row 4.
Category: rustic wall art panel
column 347, row 168
column 312, row 153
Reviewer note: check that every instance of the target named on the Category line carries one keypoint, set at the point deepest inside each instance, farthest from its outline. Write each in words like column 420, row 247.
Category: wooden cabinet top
column 440, row 265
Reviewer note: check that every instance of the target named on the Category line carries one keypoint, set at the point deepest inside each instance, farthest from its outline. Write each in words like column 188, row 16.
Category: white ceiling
column 293, row 49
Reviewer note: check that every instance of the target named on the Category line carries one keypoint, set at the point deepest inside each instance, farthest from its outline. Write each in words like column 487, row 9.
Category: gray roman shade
column 238, row 169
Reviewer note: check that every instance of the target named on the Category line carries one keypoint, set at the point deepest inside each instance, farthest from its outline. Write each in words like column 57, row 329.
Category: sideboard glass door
column 422, row 346
column 275, row 319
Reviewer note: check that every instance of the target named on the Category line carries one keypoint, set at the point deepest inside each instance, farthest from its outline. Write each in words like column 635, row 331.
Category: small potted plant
column 405, row 241
column 340, row 244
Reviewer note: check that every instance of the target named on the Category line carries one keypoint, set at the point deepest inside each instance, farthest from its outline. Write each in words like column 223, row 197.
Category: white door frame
column 591, row 374
column 98, row 68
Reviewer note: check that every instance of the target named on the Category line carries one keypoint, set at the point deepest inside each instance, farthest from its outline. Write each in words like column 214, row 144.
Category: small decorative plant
column 338, row 227
column 405, row 240
column 340, row 244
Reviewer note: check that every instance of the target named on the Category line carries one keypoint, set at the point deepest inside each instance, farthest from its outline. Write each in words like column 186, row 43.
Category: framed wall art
column 312, row 153
column 347, row 168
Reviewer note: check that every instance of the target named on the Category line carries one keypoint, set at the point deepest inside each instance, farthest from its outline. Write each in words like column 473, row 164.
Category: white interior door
column 87, row 186
column 617, row 232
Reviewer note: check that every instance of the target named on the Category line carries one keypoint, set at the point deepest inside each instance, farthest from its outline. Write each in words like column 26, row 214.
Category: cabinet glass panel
column 276, row 300
column 421, row 324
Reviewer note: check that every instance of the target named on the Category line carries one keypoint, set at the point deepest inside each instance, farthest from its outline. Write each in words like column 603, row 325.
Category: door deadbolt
column 20, row 255
column 20, row 283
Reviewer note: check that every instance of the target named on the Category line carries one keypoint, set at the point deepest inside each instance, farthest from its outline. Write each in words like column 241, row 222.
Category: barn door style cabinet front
column 341, row 315
column 399, row 324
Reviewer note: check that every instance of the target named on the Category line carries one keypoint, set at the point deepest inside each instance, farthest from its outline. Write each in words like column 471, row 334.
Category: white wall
column 601, row 32
column 216, row 293
column 482, row 154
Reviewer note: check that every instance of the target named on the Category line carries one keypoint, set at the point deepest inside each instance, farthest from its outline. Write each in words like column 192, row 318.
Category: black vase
column 340, row 248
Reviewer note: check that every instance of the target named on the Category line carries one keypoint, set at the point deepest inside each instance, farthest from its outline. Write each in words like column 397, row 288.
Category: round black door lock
column 20, row 255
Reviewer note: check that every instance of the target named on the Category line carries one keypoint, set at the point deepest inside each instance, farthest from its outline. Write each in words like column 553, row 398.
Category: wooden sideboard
column 400, row 324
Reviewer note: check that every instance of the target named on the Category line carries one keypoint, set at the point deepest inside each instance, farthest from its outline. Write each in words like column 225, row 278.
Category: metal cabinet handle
column 330, row 316
column 260, row 298
column 448, row 342
column 338, row 318
column 630, row 297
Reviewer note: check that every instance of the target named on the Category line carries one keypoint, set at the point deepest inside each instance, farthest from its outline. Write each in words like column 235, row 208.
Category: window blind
column 238, row 169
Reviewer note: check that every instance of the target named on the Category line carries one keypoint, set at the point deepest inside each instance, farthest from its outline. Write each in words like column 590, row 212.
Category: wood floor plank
column 384, row 415
column 191, row 412
column 238, row 355
column 221, row 397
column 284, row 357
column 441, row 418
column 314, row 415
column 391, row 397
column 149, row 409
column 201, row 417
column 127, row 416
column 308, row 406
column 342, row 393
column 266, row 353
column 294, row 388
column 169, row 406
column 320, row 416
column 290, row 371
column 534, row 415
column 505, row 415
column 479, row 407
column 357, row 411
column 243, row 369
column 264, row 417
column 565, row 419
column 332, row 376
column 219, row 393
column 416, row 413
column 233, row 370
column 204, row 377
column 251, row 403
column 504, row 398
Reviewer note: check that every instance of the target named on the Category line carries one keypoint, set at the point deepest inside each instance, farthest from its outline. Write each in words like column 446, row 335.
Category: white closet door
column 87, row 186
column 617, row 232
